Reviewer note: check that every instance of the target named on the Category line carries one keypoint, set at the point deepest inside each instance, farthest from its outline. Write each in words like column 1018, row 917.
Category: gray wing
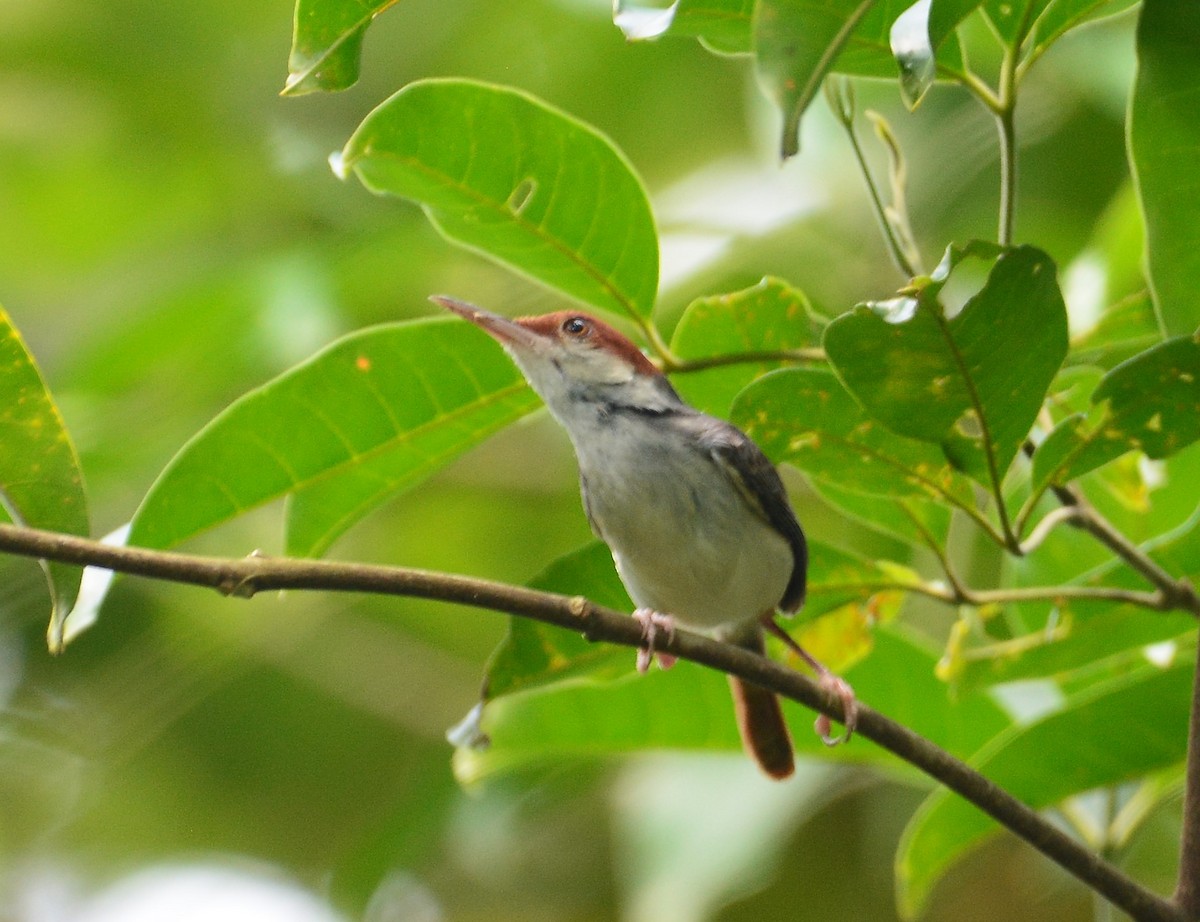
column 755, row 477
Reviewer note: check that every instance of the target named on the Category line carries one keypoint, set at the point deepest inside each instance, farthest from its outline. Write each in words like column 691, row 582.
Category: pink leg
column 829, row 683
column 652, row 622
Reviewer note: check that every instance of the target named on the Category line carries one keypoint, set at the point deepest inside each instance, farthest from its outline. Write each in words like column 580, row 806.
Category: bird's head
column 570, row 359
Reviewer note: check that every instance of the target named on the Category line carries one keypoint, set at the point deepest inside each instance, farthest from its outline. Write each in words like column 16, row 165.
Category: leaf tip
column 340, row 164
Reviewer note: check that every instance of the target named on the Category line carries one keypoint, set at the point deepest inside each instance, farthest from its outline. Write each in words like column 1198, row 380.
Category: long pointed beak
column 505, row 331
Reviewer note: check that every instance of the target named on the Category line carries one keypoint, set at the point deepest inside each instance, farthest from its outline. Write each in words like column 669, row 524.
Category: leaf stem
column 1041, row 531
column 680, row 366
column 660, row 346
column 1006, row 126
column 935, row 546
column 1175, row 593
column 1008, row 539
column 961, row 595
column 249, row 575
column 841, row 101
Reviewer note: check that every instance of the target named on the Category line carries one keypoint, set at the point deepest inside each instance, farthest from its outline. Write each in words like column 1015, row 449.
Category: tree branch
column 246, row 576
column 957, row 594
column 1175, row 593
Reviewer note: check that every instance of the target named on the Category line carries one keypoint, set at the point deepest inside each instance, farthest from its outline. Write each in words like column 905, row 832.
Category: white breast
column 685, row 541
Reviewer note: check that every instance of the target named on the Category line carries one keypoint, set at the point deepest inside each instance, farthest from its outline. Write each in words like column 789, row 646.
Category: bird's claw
column 835, row 685
column 652, row 622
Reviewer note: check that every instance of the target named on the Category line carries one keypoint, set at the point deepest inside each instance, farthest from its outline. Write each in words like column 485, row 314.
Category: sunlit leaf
column 1118, row 731
column 973, row 382
column 40, row 482
column 722, row 26
column 327, row 39
column 770, row 317
column 1124, row 330
column 1164, row 139
column 795, row 44
column 915, row 54
column 1150, row 403
column 510, row 177
column 917, row 37
column 369, row 416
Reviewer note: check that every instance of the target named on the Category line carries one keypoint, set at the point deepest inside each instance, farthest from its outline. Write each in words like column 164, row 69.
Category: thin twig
column 841, row 101
column 1041, row 531
column 1006, row 125
column 1176, row 593
column 247, row 576
column 806, row 356
column 957, row 594
column 931, row 542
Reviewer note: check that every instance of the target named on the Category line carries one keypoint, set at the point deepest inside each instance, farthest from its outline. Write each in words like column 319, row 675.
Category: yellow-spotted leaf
column 369, row 416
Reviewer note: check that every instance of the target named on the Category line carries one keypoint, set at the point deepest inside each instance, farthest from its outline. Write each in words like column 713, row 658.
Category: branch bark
column 247, row 576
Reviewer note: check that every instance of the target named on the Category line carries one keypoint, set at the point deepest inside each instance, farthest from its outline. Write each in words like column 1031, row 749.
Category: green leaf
column 805, row 417
column 891, row 517
column 1164, row 141
column 1125, row 329
column 1060, row 16
column 973, row 382
column 1085, row 632
column 1150, row 403
column 1013, row 19
column 371, row 415
column 944, row 17
column 1112, row 733
column 770, row 317
column 508, row 176
column 327, row 37
column 795, row 44
column 722, row 26
column 533, row 654
column 689, row 708
column 41, row 485
column 1084, row 635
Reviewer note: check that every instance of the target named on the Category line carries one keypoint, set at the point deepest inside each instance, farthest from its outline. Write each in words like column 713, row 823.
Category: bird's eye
column 575, row 326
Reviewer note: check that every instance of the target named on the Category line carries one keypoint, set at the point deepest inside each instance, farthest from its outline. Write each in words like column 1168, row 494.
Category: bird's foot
column 652, row 623
column 829, row 683
column 835, row 685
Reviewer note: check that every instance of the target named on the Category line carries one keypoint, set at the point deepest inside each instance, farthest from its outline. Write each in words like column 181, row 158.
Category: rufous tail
column 764, row 733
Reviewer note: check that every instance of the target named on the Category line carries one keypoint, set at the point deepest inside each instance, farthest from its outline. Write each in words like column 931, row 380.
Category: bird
column 697, row 518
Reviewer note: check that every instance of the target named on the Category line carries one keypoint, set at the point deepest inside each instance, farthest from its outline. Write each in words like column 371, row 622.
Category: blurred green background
column 171, row 235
